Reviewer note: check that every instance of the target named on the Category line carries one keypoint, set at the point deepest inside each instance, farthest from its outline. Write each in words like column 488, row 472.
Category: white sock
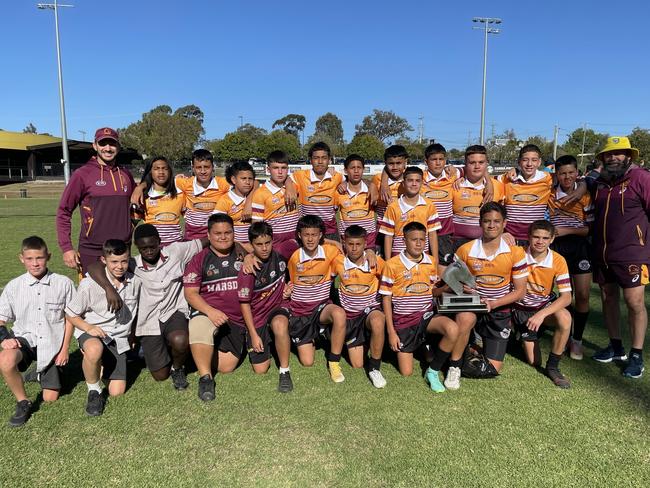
column 284, row 370
column 577, row 342
column 95, row 387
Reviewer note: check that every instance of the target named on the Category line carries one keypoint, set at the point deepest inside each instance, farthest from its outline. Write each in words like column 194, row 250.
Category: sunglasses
column 107, row 142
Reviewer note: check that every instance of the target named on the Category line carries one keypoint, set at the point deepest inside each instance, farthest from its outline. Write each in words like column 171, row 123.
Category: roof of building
column 21, row 141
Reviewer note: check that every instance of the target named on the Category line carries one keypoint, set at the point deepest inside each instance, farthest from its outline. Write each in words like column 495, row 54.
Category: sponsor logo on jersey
column 535, row 287
column 474, row 210
column 418, row 287
column 310, row 280
column 319, row 199
column 244, row 292
column 490, row 280
column 190, row 278
column 356, row 288
column 165, row 217
column 204, row 205
column 355, row 214
column 436, row 194
column 525, row 198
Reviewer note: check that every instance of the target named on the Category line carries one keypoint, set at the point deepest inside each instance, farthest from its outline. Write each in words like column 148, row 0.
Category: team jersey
column 576, row 215
column 467, row 201
column 233, row 205
column 526, row 201
column 396, row 191
column 355, row 209
column 311, row 278
column 358, row 286
column 439, row 192
column 400, row 213
column 316, row 196
column 199, row 203
column 541, row 276
column 410, row 286
column 269, row 205
column 164, row 211
column 494, row 274
column 216, row 278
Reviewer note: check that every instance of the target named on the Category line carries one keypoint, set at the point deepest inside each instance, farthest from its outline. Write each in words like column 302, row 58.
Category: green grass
column 516, row 430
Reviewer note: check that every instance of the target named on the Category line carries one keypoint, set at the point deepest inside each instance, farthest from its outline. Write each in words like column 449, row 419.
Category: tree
column 338, row 150
column 367, row 146
column 383, row 125
column 329, row 126
column 255, row 133
column 292, row 124
column 190, row 112
column 544, row 145
column 504, row 148
column 593, row 141
column 278, row 140
column 640, row 138
column 414, row 148
column 235, row 146
column 30, row 129
column 455, row 154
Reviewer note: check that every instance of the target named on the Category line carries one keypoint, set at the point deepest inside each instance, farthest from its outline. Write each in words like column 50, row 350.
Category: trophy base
column 450, row 303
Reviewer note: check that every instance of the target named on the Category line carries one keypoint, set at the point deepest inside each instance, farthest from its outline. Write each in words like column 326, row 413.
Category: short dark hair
column 147, row 178
column 202, row 155
column 235, row 168
column 310, row 222
column 412, row 170
column 413, row 226
column 541, row 225
column 529, row 148
column 259, row 229
column 220, row 218
column 145, row 230
column 355, row 232
column 395, row 151
column 434, row 149
column 319, row 146
column 33, row 243
column 277, row 156
column 493, row 207
column 353, row 157
column 475, row 149
column 116, row 247
column 566, row 160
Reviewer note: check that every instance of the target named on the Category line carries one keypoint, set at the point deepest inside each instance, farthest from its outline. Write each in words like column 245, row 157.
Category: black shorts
column 305, row 329
column 459, row 241
column 445, row 249
column 113, row 363
column 50, row 377
column 231, row 338
column 355, row 330
column 519, row 323
column 624, row 275
column 522, row 243
column 576, row 251
column 156, row 348
column 494, row 327
column 411, row 338
column 259, row 357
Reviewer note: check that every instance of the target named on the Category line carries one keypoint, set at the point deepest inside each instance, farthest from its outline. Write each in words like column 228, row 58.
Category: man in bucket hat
column 621, row 250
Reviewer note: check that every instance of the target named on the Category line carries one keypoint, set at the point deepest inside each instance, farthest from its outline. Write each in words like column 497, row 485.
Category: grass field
column 516, row 430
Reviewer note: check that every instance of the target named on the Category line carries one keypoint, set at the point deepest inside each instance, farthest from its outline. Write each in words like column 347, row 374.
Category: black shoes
column 179, row 379
column 206, row 388
column 23, row 411
column 95, row 404
column 285, row 385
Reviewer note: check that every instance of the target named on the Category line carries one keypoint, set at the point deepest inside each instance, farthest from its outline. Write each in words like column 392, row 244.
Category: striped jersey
column 400, row 213
column 269, row 205
column 526, row 201
column 541, row 276
column 439, row 192
column 396, row 191
column 467, row 201
column 410, row 286
column 312, row 278
column 358, row 285
column 164, row 211
column 355, row 209
column 577, row 214
column 233, row 205
column 199, row 203
column 494, row 274
column 316, row 196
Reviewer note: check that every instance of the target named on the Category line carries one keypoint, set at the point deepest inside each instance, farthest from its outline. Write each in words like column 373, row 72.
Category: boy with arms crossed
column 34, row 302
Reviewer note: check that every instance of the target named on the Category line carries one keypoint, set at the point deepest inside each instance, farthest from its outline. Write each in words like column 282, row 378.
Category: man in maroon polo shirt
column 102, row 190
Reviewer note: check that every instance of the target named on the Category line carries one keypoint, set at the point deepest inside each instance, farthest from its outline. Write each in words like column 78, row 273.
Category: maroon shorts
column 624, row 275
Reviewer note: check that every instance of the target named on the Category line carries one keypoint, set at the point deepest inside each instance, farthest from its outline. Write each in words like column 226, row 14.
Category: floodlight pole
column 486, row 21
column 64, row 130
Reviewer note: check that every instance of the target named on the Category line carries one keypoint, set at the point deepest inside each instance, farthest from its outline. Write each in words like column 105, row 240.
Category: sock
column 553, row 361
column 617, row 344
column 374, row 364
column 284, row 370
column 579, row 323
column 439, row 358
column 333, row 358
column 635, row 351
column 456, row 363
column 95, row 387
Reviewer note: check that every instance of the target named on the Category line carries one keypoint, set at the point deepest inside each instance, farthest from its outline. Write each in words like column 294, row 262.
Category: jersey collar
column 236, row 199
column 405, row 207
column 272, row 188
column 362, row 189
column 539, row 175
column 45, row 280
column 408, row 264
column 479, row 185
column 320, row 254
column 559, row 193
column 348, row 265
column 314, row 179
column 477, row 250
column 429, row 177
column 198, row 189
column 547, row 262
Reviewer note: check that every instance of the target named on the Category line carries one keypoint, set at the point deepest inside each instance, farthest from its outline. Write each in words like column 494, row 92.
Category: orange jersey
column 526, row 201
column 400, row 213
column 311, row 278
column 541, row 276
column 494, row 274
column 439, row 192
column 577, row 214
column 355, row 209
column 269, row 205
column 358, row 285
column 316, row 197
column 233, row 205
column 200, row 203
column 164, row 212
column 410, row 286
column 467, row 201
column 396, row 191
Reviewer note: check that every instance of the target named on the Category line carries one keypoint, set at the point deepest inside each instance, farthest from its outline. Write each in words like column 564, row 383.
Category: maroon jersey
column 216, row 278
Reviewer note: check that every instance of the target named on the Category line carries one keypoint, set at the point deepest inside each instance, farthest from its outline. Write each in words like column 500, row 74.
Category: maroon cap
column 106, row 133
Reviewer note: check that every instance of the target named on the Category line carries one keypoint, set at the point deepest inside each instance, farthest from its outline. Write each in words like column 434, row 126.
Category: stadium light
column 486, row 21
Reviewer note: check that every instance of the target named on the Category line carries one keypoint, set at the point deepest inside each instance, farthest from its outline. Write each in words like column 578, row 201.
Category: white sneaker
column 377, row 379
column 452, row 381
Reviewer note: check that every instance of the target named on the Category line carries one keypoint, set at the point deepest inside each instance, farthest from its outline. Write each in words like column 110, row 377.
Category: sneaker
column 179, row 379
column 452, row 381
column 377, row 379
column 575, row 350
column 30, row 376
column 558, row 378
column 285, row 385
column 608, row 355
column 95, row 404
column 23, row 411
column 335, row 372
column 634, row 368
column 433, row 379
column 206, row 388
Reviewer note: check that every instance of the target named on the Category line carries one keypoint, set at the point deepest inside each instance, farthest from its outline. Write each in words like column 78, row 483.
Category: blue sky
column 565, row 62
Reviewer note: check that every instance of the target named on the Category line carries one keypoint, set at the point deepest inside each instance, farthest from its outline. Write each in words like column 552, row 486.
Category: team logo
column 490, row 280
column 152, row 202
column 505, row 333
column 275, row 200
column 584, row 265
column 238, row 265
column 436, row 194
column 244, row 292
column 407, row 275
column 346, row 275
column 404, row 217
column 525, row 198
column 615, row 140
column 165, row 217
column 474, row 210
column 125, row 188
column 100, row 183
column 319, row 199
column 190, row 278
column 283, row 266
column 234, row 209
column 355, row 214
column 464, row 195
column 477, row 266
column 300, row 267
column 633, row 269
column 204, row 205
column 310, row 280
column 417, row 288
column 535, row 287
column 211, row 271
column 347, row 203
column 225, row 264
column 310, row 188
column 272, row 274
column 356, row 289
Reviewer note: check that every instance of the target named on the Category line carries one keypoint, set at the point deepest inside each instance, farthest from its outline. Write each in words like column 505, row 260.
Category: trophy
column 456, row 275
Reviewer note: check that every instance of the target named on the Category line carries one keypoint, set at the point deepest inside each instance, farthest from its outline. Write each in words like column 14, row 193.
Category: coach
column 102, row 190
column 621, row 250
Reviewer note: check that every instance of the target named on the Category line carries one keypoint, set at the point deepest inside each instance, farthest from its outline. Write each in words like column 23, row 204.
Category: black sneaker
column 206, row 388
column 558, row 378
column 95, row 404
column 23, row 411
column 179, row 379
column 285, row 385
column 30, row 376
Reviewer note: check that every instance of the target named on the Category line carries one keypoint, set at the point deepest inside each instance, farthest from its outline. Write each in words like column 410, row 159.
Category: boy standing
column 389, row 181
column 242, row 178
column 34, row 302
